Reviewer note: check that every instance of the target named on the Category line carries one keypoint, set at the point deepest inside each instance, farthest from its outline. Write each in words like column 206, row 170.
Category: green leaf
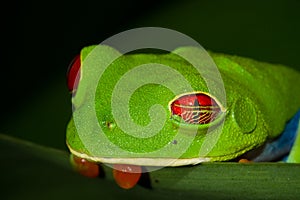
column 30, row 171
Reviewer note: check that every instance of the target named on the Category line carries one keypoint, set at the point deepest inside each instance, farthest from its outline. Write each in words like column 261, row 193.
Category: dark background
column 40, row 38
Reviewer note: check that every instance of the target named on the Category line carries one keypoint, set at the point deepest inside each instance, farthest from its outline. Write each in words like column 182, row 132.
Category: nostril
column 110, row 125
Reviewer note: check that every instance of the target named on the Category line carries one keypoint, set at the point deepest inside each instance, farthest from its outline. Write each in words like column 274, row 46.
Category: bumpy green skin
column 260, row 99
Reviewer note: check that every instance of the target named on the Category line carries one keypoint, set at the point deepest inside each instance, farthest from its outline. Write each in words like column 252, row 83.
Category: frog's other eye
column 73, row 74
column 195, row 108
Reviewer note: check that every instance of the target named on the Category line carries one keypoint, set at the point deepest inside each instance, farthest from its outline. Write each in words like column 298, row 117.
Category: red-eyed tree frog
column 197, row 126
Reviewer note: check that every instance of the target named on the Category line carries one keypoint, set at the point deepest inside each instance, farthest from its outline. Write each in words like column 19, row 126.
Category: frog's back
column 275, row 87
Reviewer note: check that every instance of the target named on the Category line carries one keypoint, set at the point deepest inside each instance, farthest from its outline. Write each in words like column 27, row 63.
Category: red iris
column 196, row 108
column 73, row 74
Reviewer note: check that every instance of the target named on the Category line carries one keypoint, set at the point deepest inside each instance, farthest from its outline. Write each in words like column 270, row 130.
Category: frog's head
column 157, row 110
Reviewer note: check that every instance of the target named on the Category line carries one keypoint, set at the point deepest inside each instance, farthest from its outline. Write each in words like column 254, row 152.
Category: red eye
column 73, row 74
column 195, row 108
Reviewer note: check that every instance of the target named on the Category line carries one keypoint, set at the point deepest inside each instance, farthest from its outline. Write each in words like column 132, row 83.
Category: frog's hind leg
column 294, row 156
column 286, row 147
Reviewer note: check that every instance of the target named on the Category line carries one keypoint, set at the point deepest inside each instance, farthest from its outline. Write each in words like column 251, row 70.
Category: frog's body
column 260, row 99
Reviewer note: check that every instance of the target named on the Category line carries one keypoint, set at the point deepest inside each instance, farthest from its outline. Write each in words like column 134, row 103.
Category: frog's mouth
column 172, row 162
column 127, row 171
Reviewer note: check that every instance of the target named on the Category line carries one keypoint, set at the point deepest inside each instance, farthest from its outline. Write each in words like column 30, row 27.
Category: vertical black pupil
column 196, row 103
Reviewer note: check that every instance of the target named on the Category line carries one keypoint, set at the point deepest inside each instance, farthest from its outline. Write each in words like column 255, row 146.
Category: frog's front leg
column 85, row 167
column 126, row 176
